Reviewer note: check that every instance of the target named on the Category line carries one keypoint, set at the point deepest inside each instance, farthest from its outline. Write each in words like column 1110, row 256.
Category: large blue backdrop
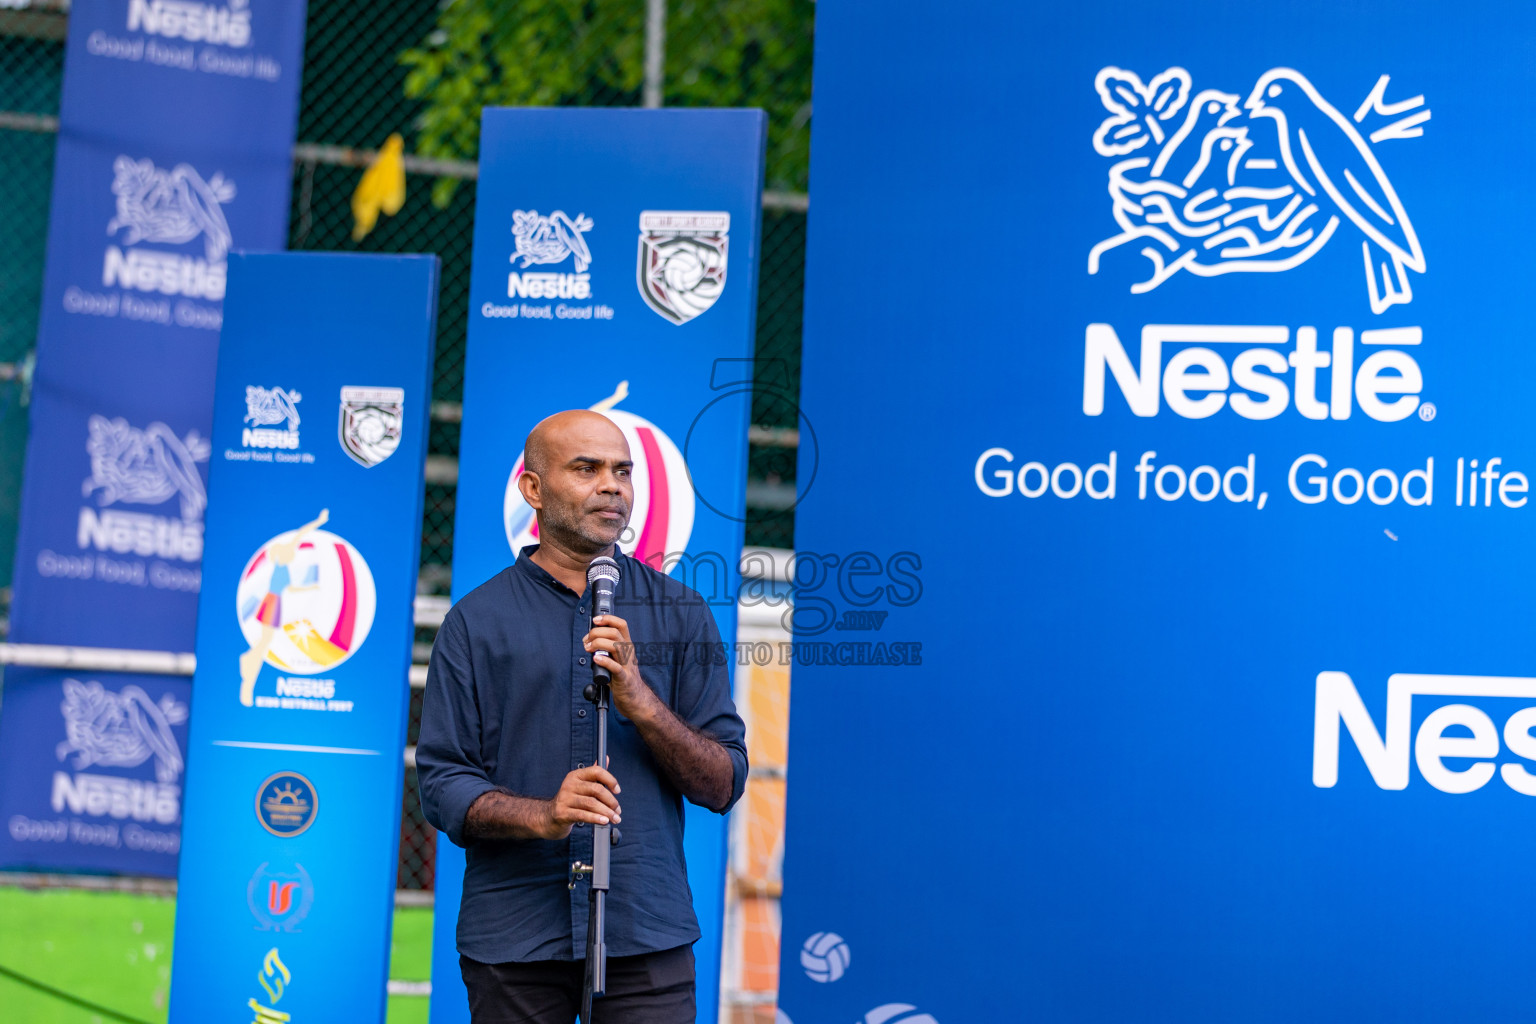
column 1193, row 334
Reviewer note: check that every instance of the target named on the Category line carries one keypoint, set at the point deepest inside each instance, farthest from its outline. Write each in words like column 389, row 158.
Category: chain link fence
column 31, row 62
column 424, row 70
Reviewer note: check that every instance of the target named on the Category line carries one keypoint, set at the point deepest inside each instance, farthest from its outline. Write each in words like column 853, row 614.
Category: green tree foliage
column 719, row 53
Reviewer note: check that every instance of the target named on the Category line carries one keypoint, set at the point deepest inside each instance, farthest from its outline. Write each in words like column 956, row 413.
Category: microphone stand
column 604, row 837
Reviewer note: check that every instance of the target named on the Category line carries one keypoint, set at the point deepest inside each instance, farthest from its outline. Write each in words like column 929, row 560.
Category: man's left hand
column 610, row 646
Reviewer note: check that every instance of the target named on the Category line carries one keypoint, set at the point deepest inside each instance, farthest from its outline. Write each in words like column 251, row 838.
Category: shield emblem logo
column 371, row 419
column 682, row 260
column 280, row 896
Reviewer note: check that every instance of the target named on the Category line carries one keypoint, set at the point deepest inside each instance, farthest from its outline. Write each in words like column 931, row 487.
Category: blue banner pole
column 289, row 858
column 615, row 268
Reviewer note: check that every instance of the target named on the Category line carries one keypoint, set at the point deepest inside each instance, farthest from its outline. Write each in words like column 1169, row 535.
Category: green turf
column 114, row 949
column 410, row 959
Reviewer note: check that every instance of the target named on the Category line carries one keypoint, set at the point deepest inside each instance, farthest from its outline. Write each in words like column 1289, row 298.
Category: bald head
column 576, row 475
column 557, row 438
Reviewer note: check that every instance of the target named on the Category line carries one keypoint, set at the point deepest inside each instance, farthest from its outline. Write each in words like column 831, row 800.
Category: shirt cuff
column 738, row 777
column 453, row 806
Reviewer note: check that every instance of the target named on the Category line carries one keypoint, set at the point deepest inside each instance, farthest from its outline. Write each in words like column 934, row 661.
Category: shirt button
column 582, row 713
column 581, row 764
column 581, row 661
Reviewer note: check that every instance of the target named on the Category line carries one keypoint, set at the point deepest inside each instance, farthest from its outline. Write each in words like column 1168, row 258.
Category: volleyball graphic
column 898, row 1013
column 661, row 520
column 306, row 601
column 825, row 956
column 683, row 270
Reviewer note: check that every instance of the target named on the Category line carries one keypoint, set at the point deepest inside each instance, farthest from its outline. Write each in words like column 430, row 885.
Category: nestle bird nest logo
column 271, row 417
column 1213, row 182
column 121, row 729
column 144, row 466
column 547, row 241
column 171, row 208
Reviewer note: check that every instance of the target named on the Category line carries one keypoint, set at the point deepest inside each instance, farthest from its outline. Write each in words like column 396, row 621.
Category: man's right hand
column 587, row 794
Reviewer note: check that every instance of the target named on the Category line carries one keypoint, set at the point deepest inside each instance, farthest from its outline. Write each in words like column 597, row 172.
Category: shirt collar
column 526, row 565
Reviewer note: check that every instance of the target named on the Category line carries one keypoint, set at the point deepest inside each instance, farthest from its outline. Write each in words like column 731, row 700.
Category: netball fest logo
column 681, row 268
column 1223, row 183
column 661, row 520
column 305, row 604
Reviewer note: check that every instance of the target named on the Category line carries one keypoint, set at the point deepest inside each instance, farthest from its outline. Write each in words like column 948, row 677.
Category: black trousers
column 652, row 988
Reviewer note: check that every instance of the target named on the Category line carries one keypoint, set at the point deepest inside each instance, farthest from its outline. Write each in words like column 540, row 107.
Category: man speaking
column 506, row 744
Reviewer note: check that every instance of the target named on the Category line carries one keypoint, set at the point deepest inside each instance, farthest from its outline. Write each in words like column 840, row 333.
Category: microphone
column 603, row 579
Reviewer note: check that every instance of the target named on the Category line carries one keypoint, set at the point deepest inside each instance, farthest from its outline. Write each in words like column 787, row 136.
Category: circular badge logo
column 306, row 601
column 280, row 895
column 662, row 518
column 286, row 804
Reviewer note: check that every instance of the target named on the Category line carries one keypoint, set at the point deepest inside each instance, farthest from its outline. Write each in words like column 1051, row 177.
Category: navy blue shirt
column 503, row 709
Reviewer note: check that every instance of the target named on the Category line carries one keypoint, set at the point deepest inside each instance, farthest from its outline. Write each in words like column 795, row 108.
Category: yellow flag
column 382, row 188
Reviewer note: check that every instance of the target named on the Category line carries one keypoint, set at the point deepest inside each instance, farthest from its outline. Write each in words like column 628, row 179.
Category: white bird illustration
column 171, row 207
column 267, row 406
column 120, row 730
column 1257, row 189
column 1207, row 213
column 145, row 467
column 1210, row 110
column 550, row 239
column 1326, row 156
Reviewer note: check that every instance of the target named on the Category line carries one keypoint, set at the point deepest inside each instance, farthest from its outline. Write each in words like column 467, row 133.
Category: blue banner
column 175, row 138
column 304, row 632
column 96, row 776
column 1202, row 323
column 615, row 268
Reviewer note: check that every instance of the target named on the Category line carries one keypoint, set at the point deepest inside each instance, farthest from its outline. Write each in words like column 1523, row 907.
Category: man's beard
column 575, row 527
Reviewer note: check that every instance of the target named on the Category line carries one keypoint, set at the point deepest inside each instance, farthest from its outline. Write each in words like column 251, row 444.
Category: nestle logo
column 263, row 438
column 109, row 795
column 1256, row 383
column 545, row 285
column 168, row 273
column 1455, row 731
column 140, row 533
column 194, row 22
column 289, row 686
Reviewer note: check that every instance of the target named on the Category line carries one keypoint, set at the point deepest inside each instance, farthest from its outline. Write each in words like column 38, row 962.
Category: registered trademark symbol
column 1427, row 411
